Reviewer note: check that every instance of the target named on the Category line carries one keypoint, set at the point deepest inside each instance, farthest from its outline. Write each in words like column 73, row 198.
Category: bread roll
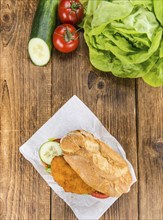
column 96, row 163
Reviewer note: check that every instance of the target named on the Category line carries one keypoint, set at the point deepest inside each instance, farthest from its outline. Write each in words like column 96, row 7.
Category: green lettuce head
column 125, row 37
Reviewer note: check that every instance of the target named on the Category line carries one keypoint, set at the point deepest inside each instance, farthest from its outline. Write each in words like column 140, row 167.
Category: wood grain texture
column 112, row 100
column 29, row 95
column 150, row 148
column 25, row 105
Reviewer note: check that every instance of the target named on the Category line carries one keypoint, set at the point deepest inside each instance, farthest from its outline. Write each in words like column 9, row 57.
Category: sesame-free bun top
column 96, row 163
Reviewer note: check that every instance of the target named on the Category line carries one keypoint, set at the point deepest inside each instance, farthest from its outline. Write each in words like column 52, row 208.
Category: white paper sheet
column 73, row 115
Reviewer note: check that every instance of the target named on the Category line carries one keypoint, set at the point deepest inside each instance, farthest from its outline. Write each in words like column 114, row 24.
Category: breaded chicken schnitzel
column 66, row 177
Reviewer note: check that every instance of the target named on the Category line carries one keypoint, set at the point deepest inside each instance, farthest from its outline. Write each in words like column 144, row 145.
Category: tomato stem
column 74, row 6
column 68, row 35
column 77, row 30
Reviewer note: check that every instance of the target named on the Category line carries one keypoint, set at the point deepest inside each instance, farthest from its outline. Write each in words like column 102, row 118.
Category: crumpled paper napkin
column 73, row 115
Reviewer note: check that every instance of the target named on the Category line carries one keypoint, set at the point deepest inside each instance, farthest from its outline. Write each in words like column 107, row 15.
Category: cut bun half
column 97, row 164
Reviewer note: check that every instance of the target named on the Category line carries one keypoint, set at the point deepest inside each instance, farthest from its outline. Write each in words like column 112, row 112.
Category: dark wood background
column 131, row 110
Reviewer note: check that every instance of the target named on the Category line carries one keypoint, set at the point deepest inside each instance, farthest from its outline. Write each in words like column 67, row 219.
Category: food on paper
column 66, row 38
column 66, row 177
column 99, row 195
column 72, row 115
column 49, row 150
column 40, row 44
column 89, row 166
column 125, row 38
column 70, row 11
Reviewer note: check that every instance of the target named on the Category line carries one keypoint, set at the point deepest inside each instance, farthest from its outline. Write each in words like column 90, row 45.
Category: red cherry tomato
column 99, row 195
column 65, row 38
column 70, row 11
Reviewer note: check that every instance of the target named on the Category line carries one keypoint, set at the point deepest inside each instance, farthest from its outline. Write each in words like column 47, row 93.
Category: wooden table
column 131, row 111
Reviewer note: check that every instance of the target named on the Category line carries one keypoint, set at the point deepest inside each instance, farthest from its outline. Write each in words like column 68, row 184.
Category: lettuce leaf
column 158, row 9
column 155, row 76
column 125, row 38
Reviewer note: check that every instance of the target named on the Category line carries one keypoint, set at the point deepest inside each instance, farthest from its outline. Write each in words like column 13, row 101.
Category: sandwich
column 83, row 164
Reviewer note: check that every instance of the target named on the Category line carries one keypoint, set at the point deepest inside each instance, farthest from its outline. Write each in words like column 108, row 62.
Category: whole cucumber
column 40, row 43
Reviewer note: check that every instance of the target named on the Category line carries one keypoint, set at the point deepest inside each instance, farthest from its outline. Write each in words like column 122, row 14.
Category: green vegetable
column 158, row 9
column 40, row 44
column 48, row 170
column 51, row 139
column 125, row 38
column 49, row 150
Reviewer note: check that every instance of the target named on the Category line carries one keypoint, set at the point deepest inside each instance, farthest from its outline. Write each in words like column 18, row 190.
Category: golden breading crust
column 66, row 177
column 96, row 163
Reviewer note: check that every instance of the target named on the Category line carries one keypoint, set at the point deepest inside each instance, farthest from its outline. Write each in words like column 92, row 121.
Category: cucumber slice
column 39, row 51
column 49, row 150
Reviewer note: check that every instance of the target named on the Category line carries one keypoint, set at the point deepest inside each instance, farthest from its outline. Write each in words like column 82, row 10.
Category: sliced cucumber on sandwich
column 48, row 151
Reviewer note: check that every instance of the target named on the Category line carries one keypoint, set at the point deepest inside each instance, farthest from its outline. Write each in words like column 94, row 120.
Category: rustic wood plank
column 150, row 151
column 25, row 105
column 113, row 101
